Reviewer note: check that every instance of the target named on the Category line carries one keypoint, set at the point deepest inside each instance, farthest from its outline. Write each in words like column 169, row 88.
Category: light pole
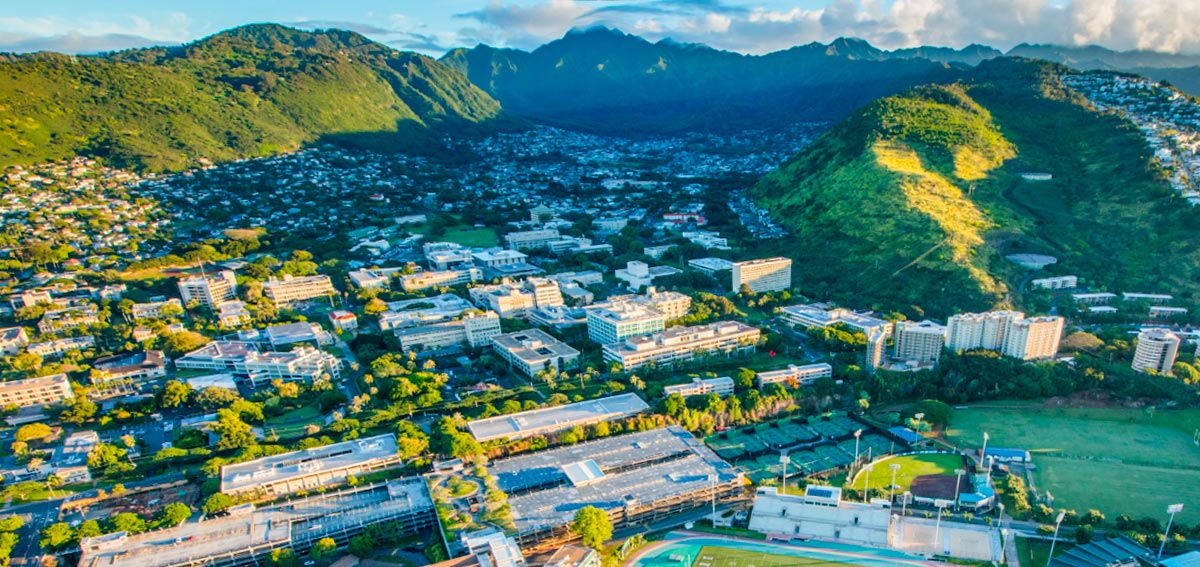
column 919, row 417
column 1172, row 510
column 1057, row 523
column 784, row 460
column 892, row 489
column 983, row 452
column 1003, row 543
column 937, row 531
column 857, row 434
column 867, row 481
column 904, row 507
column 957, row 484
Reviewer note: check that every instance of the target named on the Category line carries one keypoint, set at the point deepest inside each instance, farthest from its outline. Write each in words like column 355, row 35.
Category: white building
column 1060, row 282
column 209, row 290
column 1036, row 338
column 243, row 359
column 967, row 331
column 475, row 329
column 36, row 391
column 137, row 367
column 768, row 274
column 546, row 292
column 156, row 309
column 343, row 321
column 69, row 318
column 448, row 278
column 533, row 351
column 682, row 343
column 59, row 347
column 422, row 311
column 292, row 289
column 374, row 278
column 710, row 265
column 799, row 375
column 309, row 469
column 1156, row 351
column 617, row 320
column 919, row 342
column 530, row 239
column 1153, row 298
column 507, row 300
column 819, row 316
column 722, row 386
column 498, row 258
column 637, row 275
column 12, row 340
column 821, row 513
column 232, row 313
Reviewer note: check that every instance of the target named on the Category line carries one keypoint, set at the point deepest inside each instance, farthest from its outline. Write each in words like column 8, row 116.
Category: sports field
column 1094, row 458
column 711, row 556
column 911, row 467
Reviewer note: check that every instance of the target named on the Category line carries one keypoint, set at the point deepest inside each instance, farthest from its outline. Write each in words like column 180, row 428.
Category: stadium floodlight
column 958, row 473
column 919, row 417
column 857, row 434
column 941, row 506
column 892, row 488
column 1003, row 543
column 867, row 481
column 784, row 459
column 983, row 452
column 1172, row 510
column 1057, row 524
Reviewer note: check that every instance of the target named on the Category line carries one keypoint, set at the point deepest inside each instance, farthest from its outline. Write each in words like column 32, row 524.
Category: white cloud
column 91, row 35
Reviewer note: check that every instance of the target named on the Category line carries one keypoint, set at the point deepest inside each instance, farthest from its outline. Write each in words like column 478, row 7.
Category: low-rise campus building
column 545, row 421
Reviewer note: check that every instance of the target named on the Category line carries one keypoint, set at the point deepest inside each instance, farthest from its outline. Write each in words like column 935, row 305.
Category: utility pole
column 1172, row 510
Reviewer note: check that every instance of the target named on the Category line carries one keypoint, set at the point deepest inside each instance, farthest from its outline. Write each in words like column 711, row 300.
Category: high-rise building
column 1034, row 339
column 876, row 348
column 966, row 331
column 1156, row 350
column 546, row 293
column 209, row 290
column 769, row 274
column 920, row 342
column 615, row 321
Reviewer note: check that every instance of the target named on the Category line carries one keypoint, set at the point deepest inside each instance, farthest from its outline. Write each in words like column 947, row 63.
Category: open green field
column 712, row 556
column 293, row 423
column 911, row 467
column 462, row 234
column 1037, row 551
column 1092, row 457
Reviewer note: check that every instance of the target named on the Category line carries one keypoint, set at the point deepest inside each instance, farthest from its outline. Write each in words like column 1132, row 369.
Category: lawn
column 1091, row 458
column 293, row 423
column 911, row 467
column 1036, row 552
column 710, row 556
column 462, row 234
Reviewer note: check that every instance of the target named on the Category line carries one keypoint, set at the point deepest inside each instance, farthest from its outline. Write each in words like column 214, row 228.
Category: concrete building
column 574, row 556
column 69, row 318
column 1152, row 298
column 248, row 535
column 291, row 289
column 968, row 331
column 374, row 278
column 530, row 239
column 722, row 386
column 137, row 367
column 1103, row 298
column 919, row 342
column 1163, row 312
column 795, row 375
column 423, row 311
column 533, row 351
column 498, row 258
column 12, row 340
column 876, row 350
column 710, row 265
column 557, row 317
column 448, row 278
column 637, row 275
column 550, row 420
column 475, row 329
column 232, row 313
column 36, row 391
column 447, row 256
column 209, row 290
column 638, row 479
column 70, row 459
column 29, row 298
column 294, row 333
column 343, row 321
column 1156, row 351
column 679, row 344
column 310, row 469
column 541, row 214
column 768, row 274
column 507, row 300
column 1036, row 338
column 244, row 360
column 156, row 309
column 617, row 320
column 1060, row 282
column 59, row 347
column 488, row 547
column 546, row 292
column 820, row 316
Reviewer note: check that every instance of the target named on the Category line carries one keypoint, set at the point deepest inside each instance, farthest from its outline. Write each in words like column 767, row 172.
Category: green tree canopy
column 593, row 526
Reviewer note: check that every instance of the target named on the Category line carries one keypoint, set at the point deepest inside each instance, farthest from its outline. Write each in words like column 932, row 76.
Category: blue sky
column 753, row 26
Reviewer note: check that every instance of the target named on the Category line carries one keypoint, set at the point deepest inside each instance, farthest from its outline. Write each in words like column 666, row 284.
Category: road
column 37, row 515
column 349, row 379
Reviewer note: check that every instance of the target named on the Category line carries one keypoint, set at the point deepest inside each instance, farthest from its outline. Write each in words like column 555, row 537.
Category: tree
column 174, row 394
column 361, row 546
column 375, row 306
column 324, row 548
column 11, row 523
column 25, row 362
column 593, row 526
column 234, row 433
column 214, row 397
column 283, row 558
column 78, row 411
column 216, row 503
column 55, row 536
column 173, row 514
column 176, row 344
column 126, row 522
column 32, row 432
column 410, row 440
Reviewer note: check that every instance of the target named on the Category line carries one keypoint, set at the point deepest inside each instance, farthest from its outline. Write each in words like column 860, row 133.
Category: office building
column 637, row 479
column 550, row 420
column 722, row 386
column 769, row 274
column 29, row 298
column 232, row 313
column 507, row 300
column 1036, row 338
column 545, row 292
column 679, row 344
column 69, row 318
column 377, row 278
column 794, row 375
column 918, row 342
column 448, row 278
column 310, row 469
column 423, row 311
column 498, row 258
column 710, row 265
column 12, row 340
column 1156, row 351
column 243, row 359
column 36, row 391
column 557, row 317
column 208, row 290
column 620, row 319
column 447, row 256
column 488, row 547
column 293, row 289
column 156, row 309
column 541, row 214
column 532, row 351
column 1060, row 282
column 137, row 367
column 876, row 350
column 820, row 316
column 530, row 239
column 298, row 332
column 968, row 331
column 59, row 347
column 638, row 275
column 474, row 328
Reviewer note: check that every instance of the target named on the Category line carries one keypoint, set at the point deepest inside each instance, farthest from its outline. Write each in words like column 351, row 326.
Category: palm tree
column 53, row 481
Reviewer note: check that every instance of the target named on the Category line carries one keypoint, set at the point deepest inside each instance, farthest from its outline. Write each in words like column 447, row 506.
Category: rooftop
column 533, row 345
column 277, row 468
column 556, row 418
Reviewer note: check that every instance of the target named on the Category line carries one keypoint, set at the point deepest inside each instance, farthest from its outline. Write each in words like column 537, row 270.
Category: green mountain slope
column 249, row 91
column 607, row 81
column 912, row 203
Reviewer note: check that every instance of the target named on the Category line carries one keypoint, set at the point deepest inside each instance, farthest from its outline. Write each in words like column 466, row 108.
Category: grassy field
column 1037, row 551
column 462, row 234
column 292, row 423
column 711, row 556
column 911, row 467
column 1090, row 458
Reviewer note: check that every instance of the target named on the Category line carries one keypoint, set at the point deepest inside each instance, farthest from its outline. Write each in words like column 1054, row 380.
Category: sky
column 748, row 26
